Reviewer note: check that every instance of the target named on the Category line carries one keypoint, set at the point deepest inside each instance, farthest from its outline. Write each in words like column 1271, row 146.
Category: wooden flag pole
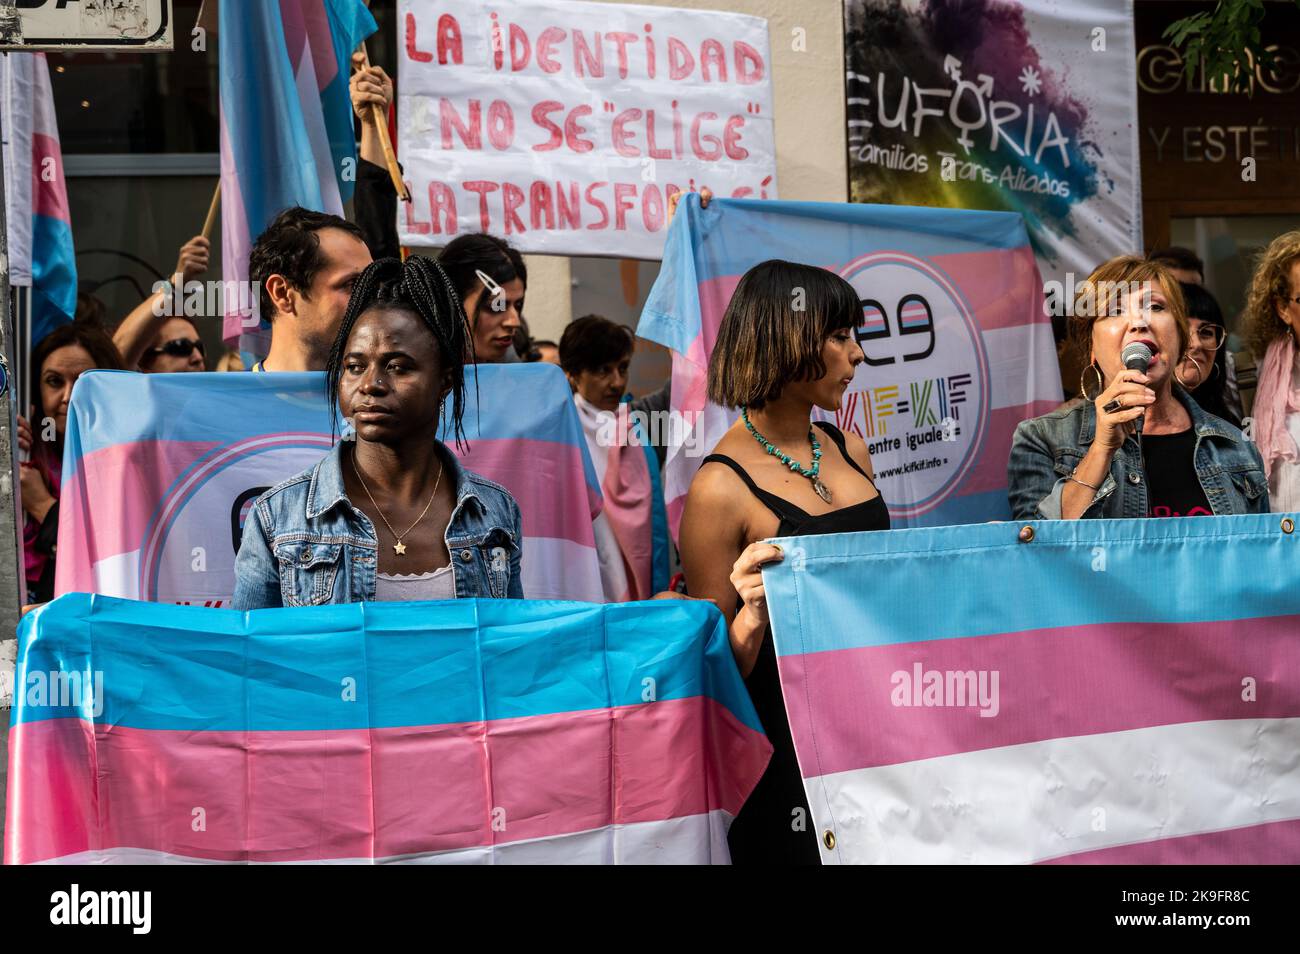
column 385, row 143
column 211, row 220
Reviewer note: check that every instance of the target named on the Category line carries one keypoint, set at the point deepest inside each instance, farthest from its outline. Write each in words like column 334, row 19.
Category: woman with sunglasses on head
column 155, row 336
column 768, row 477
column 391, row 514
column 1203, row 372
column 176, row 347
column 1088, row 458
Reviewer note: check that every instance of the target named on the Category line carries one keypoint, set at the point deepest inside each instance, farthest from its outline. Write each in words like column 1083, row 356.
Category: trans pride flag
column 959, row 349
column 160, row 471
column 462, row 731
column 286, row 126
column 1111, row 691
column 41, row 254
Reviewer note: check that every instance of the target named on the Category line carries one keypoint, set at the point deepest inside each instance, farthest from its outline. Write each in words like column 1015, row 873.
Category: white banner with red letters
column 563, row 127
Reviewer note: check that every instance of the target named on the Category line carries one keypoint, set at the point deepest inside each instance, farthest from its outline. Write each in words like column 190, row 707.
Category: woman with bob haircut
column 1090, row 458
column 391, row 514
column 767, row 477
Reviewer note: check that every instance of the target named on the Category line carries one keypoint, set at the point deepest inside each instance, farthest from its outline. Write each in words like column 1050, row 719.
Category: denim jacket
column 304, row 543
column 1045, row 451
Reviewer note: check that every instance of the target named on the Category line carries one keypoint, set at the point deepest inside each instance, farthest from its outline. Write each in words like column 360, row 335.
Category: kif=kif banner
column 958, row 348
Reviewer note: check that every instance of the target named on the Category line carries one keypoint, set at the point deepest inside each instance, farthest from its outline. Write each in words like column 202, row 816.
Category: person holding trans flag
column 391, row 514
column 768, row 477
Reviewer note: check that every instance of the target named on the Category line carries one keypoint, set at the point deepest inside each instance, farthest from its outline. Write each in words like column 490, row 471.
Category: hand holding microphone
column 1126, row 399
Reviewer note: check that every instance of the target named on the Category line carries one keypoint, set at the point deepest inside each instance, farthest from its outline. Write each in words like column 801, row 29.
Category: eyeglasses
column 180, row 348
column 1210, row 336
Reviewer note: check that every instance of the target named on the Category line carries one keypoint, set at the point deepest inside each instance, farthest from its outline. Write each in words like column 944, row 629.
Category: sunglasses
column 180, row 348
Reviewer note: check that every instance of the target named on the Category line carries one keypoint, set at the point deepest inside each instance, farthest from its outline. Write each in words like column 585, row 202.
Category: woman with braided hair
column 388, row 514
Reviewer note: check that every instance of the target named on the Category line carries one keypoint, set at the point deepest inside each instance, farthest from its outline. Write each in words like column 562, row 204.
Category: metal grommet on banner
column 828, row 839
column 1288, row 525
column 1026, row 534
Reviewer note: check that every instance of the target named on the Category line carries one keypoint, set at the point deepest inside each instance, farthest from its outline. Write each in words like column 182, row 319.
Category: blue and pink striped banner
column 286, row 127
column 41, row 254
column 959, row 348
column 378, row 732
column 1117, row 691
column 160, row 471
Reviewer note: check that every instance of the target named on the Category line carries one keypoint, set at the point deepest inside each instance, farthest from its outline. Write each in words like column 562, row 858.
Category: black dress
column 764, row 831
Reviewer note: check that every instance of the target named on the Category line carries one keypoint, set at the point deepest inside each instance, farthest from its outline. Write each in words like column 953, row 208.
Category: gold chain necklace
column 399, row 548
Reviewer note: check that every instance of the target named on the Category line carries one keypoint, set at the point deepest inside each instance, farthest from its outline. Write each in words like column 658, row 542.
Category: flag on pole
column 41, row 253
column 453, row 732
column 161, row 470
column 286, row 127
column 958, row 347
column 1103, row 692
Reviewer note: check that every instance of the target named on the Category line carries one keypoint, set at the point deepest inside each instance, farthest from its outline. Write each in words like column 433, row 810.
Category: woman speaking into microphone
column 1135, row 444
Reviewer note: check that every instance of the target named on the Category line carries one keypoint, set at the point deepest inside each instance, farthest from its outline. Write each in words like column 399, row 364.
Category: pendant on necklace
column 822, row 490
column 399, row 548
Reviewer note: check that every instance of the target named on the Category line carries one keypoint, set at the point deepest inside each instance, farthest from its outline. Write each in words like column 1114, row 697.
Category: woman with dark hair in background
column 1203, row 370
column 491, row 279
column 767, row 478
column 60, row 359
column 390, row 515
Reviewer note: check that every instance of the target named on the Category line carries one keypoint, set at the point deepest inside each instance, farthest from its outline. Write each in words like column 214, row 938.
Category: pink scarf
column 1274, row 400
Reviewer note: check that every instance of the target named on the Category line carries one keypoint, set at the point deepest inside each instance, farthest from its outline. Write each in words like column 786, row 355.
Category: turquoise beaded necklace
column 810, row 472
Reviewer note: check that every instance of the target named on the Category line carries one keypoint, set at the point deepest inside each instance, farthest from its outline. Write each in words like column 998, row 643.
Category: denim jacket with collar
column 304, row 544
column 1045, row 451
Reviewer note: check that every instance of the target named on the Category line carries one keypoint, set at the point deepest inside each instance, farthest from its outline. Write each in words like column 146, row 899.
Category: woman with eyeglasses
column 1203, row 372
column 1273, row 325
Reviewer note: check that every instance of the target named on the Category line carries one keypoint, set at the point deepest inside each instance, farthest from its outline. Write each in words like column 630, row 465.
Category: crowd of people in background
column 395, row 338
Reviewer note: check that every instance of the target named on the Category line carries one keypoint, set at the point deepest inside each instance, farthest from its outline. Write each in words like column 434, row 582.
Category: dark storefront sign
column 1209, row 152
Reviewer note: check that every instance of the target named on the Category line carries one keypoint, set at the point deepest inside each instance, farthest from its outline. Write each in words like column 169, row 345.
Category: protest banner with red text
column 564, row 127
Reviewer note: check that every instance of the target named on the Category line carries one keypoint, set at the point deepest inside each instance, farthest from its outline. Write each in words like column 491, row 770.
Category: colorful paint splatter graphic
column 950, row 104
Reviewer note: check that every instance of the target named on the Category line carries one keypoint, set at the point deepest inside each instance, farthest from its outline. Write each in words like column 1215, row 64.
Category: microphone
column 1137, row 357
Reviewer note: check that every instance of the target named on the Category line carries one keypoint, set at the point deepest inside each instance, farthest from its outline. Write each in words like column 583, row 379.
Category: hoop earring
column 1100, row 381
column 1180, row 381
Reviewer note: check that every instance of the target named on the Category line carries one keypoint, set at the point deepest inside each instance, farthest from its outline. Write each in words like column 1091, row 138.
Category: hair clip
column 496, row 290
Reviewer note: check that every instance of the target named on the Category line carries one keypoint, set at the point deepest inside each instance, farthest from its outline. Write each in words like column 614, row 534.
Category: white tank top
column 436, row 585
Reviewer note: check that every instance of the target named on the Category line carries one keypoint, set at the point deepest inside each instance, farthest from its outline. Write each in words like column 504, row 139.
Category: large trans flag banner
column 463, row 731
column 958, row 347
column 161, row 470
column 1075, row 691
